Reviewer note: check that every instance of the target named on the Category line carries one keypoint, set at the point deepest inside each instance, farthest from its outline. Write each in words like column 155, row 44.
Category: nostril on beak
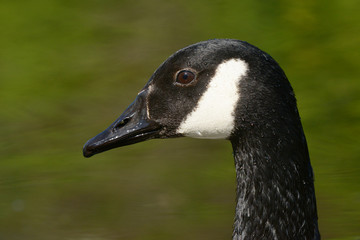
column 122, row 123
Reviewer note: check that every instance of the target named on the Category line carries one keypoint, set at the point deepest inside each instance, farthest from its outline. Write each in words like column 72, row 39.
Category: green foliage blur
column 69, row 68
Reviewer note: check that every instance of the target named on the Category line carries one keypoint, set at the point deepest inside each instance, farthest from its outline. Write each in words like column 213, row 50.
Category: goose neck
column 275, row 191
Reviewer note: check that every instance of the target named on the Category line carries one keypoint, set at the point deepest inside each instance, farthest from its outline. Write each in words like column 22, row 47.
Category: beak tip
column 87, row 154
column 87, row 151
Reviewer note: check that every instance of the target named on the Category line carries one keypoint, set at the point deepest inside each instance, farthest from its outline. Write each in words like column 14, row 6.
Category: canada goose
column 229, row 89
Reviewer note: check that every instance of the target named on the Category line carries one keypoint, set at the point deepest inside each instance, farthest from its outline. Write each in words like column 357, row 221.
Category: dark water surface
column 69, row 68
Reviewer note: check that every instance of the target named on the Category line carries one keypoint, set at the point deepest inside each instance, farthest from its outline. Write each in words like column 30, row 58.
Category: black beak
column 131, row 127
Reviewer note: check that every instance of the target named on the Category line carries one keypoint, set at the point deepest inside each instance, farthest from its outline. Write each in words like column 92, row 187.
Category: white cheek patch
column 213, row 117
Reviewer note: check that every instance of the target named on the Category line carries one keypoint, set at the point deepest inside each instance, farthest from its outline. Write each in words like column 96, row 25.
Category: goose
column 229, row 89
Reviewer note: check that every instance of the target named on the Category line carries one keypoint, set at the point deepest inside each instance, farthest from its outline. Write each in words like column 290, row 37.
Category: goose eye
column 185, row 77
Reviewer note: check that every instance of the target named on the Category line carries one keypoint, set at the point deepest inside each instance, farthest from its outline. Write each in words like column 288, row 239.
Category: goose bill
column 131, row 127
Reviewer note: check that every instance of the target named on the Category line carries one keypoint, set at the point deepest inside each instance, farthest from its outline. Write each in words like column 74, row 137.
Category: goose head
column 200, row 91
column 229, row 89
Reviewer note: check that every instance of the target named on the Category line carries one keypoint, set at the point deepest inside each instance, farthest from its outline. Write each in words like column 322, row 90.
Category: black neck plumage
column 275, row 190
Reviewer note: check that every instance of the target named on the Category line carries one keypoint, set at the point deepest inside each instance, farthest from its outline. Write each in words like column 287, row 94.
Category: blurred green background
column 69, row 68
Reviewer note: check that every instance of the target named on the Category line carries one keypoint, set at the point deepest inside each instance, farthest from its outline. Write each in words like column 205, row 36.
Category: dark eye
column 185, row 77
